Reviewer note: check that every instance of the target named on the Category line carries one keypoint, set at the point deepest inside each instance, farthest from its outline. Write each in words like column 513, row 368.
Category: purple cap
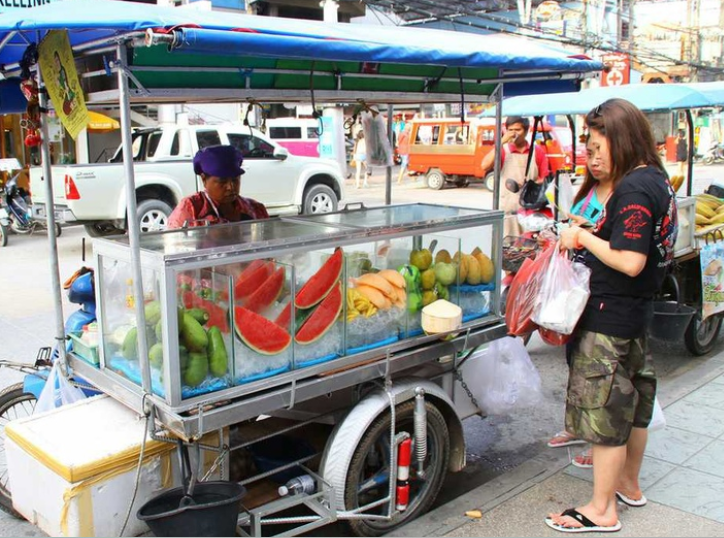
column 219, row 161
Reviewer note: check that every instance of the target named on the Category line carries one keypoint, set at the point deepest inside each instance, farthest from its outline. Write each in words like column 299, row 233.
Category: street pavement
column 682, row 476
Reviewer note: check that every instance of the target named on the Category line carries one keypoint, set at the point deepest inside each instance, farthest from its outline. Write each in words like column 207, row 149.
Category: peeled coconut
column 441, row 316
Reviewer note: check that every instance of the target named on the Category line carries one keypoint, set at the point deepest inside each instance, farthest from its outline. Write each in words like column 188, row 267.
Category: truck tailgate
column 37, row 185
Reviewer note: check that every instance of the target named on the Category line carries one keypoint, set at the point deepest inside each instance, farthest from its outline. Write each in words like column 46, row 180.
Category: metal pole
column 498, row 98
column 52, row 239
column 134, row 231
column 690, row 157
column 388, row 171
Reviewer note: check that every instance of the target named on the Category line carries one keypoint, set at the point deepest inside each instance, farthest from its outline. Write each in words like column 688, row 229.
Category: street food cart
column 682, row 294
column 382, row 382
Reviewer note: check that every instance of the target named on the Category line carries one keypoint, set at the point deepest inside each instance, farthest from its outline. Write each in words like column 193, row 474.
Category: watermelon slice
column 260, row 334
column 321, row 282
column 285, row 317
column 266, row 293
column 252, row 277
column 322, row 319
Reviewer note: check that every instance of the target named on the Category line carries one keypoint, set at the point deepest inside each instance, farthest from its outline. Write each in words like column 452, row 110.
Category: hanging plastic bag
column 533, row 195
column 658, row 421
column 563, row 185
column 506, row 378
column 379, row 149
column 563, row 294
column 57, row 391
column 523, row 293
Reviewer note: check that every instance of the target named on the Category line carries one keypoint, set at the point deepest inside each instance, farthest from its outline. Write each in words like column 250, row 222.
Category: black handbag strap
column 536, row 123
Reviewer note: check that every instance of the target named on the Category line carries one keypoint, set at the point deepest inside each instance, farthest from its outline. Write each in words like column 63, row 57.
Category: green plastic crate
column 85, row 351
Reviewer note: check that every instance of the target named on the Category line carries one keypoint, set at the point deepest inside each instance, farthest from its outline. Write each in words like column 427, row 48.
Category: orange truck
column 448, row 151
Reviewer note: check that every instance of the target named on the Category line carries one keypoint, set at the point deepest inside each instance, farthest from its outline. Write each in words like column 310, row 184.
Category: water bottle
column 300, row 484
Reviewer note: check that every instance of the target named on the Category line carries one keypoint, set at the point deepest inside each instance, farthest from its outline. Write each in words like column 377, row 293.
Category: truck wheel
column 700, row 337
column 369, row 468
column 3, row 235
column 435, row 179
column 153, row 215
column 489, row 181
column 14, row 403
column 319, row 198
column 102, row 229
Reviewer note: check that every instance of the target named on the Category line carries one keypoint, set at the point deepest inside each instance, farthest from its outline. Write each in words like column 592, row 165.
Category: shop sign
column 619, row 69
column 12, row 5
column 61, row 80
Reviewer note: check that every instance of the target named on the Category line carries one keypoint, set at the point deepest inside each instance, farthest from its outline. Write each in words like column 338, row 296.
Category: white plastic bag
column 506, row 379
column 563, row 294
column 565, row 193
column 658, row 421
column 57, row 391
column 379, row 149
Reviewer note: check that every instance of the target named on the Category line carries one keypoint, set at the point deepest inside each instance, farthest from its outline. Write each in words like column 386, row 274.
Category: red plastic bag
column 523, row 293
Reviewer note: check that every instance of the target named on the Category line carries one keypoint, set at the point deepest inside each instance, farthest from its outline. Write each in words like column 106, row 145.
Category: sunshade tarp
column 647, row 97
column 223, row 33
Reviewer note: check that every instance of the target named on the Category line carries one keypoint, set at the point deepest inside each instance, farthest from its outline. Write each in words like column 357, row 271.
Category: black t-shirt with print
column 640, row 216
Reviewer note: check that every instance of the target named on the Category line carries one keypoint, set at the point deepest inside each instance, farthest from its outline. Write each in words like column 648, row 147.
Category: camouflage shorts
column 611, row 388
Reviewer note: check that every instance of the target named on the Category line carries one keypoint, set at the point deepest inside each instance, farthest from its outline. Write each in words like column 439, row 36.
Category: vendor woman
column 219, row 202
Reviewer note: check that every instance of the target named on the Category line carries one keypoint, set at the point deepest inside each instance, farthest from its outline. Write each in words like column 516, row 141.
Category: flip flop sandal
column 636, row 503
column 584, row 460
column 567, row 440
column 588, row 525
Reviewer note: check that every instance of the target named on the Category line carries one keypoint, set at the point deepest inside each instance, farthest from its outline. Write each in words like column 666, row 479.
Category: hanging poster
column 61, row 80
column 712, row 278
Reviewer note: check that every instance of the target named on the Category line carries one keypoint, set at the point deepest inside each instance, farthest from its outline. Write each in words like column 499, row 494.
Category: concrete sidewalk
column 682, row 477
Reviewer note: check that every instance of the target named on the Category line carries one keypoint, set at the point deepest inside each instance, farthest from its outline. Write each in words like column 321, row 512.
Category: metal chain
column 459, row 377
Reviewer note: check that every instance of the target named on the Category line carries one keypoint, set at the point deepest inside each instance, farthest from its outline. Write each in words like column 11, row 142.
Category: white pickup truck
column 94, row 194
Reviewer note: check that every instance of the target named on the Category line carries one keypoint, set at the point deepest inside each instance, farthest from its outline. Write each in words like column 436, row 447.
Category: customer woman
column 588, row 205
column 612, row 384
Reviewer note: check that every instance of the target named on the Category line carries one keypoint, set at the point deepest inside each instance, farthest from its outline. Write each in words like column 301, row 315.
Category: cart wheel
column 435, row 179
column 700, row 337
column 3, row 235
column 367, row 477
column 58, row 230
column 14, row 404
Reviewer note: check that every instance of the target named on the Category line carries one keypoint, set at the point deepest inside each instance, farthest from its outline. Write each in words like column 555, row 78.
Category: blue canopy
column 435, row 55
column 647, row 97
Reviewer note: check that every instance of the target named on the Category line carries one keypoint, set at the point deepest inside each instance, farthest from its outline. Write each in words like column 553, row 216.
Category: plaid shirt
column 198, row 207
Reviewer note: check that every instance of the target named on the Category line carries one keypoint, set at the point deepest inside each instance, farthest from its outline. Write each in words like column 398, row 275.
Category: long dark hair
column 630, row 140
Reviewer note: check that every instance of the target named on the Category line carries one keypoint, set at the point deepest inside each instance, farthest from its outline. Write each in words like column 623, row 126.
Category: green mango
column 152, row 311
column 159, row 331
column 199, row 314
column 196, row 370
column 193, row 334
column 130, row 347
column 183, row 357
column 155, row 356
column 413, row 277
column 218, row 359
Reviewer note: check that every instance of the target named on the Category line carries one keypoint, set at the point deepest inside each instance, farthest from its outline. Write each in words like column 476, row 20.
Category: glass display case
column 236, row 309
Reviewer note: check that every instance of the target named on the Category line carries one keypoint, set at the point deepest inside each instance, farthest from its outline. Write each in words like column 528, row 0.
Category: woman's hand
column 578, row 220
column 569, row 237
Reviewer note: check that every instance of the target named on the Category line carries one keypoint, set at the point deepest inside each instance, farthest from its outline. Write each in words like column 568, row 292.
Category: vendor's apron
column 514, row 168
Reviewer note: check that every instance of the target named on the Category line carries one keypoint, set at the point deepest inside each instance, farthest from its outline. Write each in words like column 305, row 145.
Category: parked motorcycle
column 18, row 400
column 715, row 154
column 15, row 214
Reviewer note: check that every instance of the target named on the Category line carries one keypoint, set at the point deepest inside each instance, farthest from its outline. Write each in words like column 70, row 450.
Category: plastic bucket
column 670, row 320
column 214, row 511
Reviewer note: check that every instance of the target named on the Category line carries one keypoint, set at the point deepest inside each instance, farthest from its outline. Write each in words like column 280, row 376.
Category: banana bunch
column 358, row 305
column 383, row 289
column 676, row 182
column 709, row 211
